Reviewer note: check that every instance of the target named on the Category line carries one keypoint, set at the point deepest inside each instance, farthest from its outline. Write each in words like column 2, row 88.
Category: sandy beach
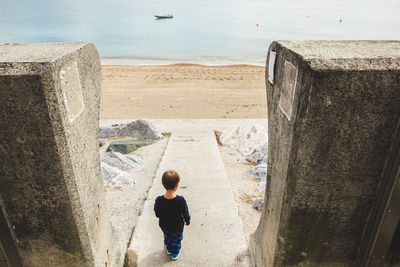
column 183, row 91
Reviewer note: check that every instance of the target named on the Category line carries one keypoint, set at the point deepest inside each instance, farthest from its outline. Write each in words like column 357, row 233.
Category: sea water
column 202, row 31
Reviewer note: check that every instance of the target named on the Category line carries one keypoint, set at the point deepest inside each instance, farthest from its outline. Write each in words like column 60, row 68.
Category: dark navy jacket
column 172, row 213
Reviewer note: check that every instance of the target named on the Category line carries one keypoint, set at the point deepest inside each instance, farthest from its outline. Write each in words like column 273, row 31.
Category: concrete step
column 215, row 236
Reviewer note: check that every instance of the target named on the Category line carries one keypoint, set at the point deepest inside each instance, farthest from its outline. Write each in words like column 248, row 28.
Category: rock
column 124, row 163
column 245, row 139
column 259, row 154
column 137, row 128
column 102, row 142
column 115, row 177
column 136, row 160
column 109, row 131
column 127, row 146
column 258, row 203
column 259, row 171
column 115, row 169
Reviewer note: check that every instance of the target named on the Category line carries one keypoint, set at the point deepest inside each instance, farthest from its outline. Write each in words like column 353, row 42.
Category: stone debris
column 245, row 139
column 115, row 169
column 251, row 142
column 138, row 128
column 259, row 154
column 102, row 142
column 127, row 146
column 116, row 178
column 125, row 163
column 259, row 171
column 258, row 203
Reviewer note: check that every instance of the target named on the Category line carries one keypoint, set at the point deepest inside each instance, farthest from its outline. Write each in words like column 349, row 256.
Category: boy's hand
column 187, row 223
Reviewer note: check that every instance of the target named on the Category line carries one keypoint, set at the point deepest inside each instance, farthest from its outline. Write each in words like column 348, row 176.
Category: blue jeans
column 173, row 242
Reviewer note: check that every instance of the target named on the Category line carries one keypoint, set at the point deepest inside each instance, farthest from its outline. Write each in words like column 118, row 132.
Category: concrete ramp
column 215, row 236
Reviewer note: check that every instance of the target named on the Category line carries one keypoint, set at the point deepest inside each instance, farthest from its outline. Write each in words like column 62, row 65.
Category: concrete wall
column 49, row 163
column 333, row 109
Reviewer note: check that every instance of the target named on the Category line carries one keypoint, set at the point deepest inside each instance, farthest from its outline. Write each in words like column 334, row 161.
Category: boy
column 172, row 211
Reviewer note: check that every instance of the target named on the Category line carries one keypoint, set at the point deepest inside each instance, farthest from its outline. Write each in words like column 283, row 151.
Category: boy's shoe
column 174, row 257
column 167, row 250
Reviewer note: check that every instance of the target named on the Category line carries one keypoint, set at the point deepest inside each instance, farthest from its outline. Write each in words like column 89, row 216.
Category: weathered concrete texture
column 333, row 109
column 49, row 167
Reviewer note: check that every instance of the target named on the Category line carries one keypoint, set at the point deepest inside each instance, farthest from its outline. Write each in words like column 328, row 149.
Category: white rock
column 259, row 171
column 258, row 203
column 115, row 177
column 109, row 131
column 121, row 162
column 136, row 160
column 115, row 169
column 259, row 154
column 138, row 128
column 245, row 139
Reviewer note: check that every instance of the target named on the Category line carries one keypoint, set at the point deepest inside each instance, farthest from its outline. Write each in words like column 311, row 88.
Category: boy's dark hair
column 170, row 179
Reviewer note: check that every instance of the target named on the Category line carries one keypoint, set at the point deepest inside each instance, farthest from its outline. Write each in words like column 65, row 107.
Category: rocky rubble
column 122, row 162
column 258, row 203
column 245, row 139
column 251, row 142
column 259, row 154
column 115, row 177
column 259, row 171
column 115, row 169
column 138, row 128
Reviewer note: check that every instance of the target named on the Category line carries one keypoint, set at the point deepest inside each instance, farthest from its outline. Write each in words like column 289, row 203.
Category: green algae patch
column 127, row 146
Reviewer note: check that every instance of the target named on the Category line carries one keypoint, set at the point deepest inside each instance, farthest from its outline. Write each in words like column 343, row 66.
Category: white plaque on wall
column 271, row 65
column 288, row 89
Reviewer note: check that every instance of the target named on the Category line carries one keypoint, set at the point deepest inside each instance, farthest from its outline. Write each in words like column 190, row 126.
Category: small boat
column 164, row 16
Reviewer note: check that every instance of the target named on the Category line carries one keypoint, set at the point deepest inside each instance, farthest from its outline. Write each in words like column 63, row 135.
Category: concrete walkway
column 215, row 236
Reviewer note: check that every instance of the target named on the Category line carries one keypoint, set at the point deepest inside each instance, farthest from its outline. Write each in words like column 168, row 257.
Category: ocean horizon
column 205, row 32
